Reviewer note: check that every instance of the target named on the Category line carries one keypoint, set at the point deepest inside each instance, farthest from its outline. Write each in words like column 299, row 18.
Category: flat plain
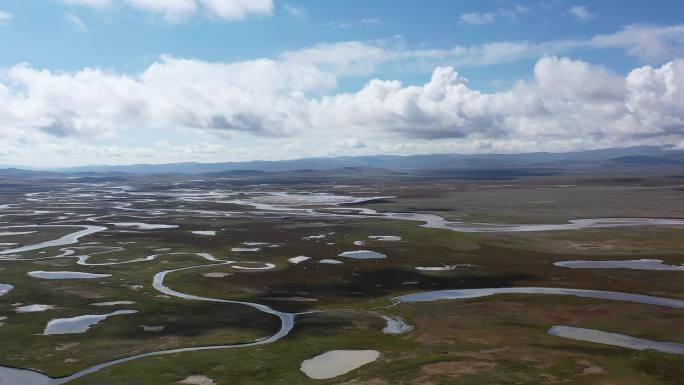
column 204, row 279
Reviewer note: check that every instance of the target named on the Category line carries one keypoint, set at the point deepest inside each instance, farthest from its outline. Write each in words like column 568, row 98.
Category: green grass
column 507, row 332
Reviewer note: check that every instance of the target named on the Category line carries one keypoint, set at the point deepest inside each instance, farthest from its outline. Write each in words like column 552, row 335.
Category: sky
column 159, row 81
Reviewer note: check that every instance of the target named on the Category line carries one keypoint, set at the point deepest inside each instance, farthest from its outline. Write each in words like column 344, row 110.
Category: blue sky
column 288, row 79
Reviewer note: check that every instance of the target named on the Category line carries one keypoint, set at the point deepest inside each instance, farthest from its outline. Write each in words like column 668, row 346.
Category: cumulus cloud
column 179, row 10
column 564, row 100
column 444, row 107
column 655, row 97
column 264, row 97
column 291, row 105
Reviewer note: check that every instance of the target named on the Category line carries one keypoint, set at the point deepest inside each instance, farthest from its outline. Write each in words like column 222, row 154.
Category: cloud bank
column 290, row 106
column 564, row 99
column 179, row 10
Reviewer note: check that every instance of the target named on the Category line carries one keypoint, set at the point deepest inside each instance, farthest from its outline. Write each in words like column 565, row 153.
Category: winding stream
column 297, row 203
column 64, row 240
column 633, row 264
column 11, row 376
column 598, row 294
column 615, row 339
column 14, row 376
column 432, row 221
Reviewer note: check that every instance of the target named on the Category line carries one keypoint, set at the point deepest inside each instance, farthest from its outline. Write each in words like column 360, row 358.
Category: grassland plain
column 493, row 340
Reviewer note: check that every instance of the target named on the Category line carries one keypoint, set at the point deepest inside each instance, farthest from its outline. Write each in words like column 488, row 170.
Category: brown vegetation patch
column 374, row 381
column 457, row 368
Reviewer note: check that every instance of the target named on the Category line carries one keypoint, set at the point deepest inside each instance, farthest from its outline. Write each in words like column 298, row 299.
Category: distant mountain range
column 643, row 156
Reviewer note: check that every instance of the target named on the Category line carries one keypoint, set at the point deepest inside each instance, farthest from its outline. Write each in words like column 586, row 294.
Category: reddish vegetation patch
column 592, row 311
column 458, row 367
column 558, row 318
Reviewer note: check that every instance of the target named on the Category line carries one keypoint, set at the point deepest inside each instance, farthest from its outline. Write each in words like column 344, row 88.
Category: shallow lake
column 362, row 254
column 330, row 262
column 337, row 362
column 204, row 232
column 12, row 376
column 598, row 294
column 64, row 240
column 5, row 288
column 299, row 259
column 79, row 324
column 33, row 308
column 616, row 339
column 391, row 238
column 635, row 264
column 66, row 275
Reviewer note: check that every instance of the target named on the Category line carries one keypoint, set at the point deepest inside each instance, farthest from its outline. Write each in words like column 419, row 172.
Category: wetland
column 279, row 281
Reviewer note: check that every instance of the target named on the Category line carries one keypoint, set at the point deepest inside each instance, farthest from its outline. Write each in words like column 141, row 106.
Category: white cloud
column 369, row 21
column 294, row 10
column 238, row 9
column 179, row 10
column 339, row 24
column 274, row 108
column 581, row 13
column 522, row 9
column 655, row 97
column 5, row 17
column 76, row 21
column 171, row 10
column 476, row 18
column 343, row 58
column 565, row 100
column 99, row 4
column 482, row 18
column 646, row 42
column 363, row 58
column 263, row 97
column 567, row 104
